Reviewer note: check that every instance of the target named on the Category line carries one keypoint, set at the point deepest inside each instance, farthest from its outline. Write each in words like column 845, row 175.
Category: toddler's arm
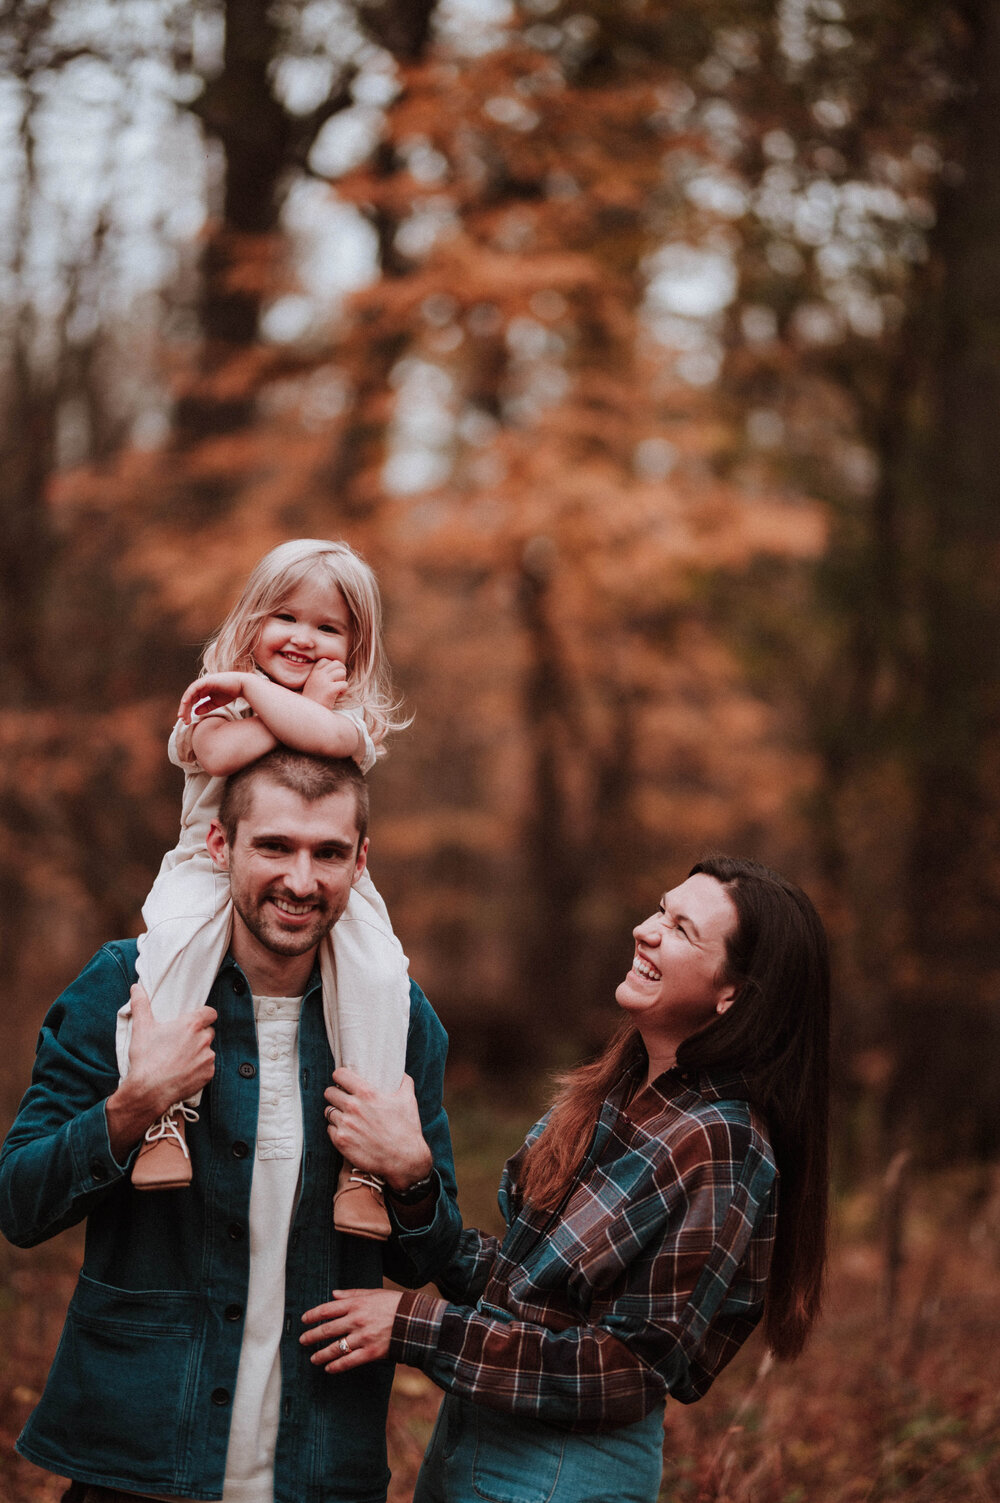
column 301, row 721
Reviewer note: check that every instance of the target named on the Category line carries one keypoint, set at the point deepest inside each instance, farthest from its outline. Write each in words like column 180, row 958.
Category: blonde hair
column 272, row 581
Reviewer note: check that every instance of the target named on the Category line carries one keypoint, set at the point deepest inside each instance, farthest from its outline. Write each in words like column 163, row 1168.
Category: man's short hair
column 311, row 777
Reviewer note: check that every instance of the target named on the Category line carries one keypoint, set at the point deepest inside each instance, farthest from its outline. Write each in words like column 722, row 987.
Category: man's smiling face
column 291, row 866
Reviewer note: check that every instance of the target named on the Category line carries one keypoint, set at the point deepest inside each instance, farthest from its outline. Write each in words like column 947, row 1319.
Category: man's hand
column 361, row 1318
column 167, row 1063
column 326, row 682
column 378, row 1131
column 210, row 692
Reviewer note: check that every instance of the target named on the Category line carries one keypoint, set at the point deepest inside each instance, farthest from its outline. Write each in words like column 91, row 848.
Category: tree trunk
column 239, row 110
column 554, row 884
column 953, row 888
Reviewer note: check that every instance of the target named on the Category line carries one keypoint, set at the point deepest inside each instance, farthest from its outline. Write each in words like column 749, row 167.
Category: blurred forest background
column 650, row 352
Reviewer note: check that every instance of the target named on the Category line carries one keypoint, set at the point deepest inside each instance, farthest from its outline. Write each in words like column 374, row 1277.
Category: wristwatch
column 413, row 1194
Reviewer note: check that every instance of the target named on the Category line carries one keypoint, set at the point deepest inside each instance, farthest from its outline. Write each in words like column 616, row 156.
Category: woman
column 641, row 1251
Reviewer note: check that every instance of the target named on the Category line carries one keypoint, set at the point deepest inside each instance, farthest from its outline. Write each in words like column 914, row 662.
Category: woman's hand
column 378, row 1131
column 209, row 693
column 352, row 1329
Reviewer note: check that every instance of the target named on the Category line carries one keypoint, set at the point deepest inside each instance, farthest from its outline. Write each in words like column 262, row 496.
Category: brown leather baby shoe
column 358, row 1206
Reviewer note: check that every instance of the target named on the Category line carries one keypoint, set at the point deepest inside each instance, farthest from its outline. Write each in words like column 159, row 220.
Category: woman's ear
column 726, row 1000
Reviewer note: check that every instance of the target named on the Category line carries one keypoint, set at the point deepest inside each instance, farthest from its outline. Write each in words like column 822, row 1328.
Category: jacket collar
column 229, row 968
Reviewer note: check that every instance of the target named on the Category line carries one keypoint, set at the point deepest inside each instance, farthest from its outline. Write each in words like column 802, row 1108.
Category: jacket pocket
column 115, row 1399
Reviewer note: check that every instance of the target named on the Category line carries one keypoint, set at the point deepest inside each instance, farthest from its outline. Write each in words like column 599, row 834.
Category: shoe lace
column 359, row 1177
column 167, row 1127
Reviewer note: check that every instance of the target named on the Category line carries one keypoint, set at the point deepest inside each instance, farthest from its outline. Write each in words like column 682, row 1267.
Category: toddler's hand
column 326, row 682
column 209, row 693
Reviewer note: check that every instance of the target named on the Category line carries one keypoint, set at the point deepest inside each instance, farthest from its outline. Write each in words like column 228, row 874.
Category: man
column 180, row 1373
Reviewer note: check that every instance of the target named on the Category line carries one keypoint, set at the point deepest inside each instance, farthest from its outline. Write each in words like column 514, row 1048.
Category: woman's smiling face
column 675, row 985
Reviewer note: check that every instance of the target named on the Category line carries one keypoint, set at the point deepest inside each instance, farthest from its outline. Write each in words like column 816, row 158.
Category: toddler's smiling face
column 312, row 624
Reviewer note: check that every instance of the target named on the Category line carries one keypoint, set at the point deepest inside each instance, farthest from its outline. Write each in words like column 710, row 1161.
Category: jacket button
column 220, row 1396
column 236, row 1231
column 248, row 1071
column 99, row 1170
column 240, row 1149
column 233, row 1312
column 239, row 985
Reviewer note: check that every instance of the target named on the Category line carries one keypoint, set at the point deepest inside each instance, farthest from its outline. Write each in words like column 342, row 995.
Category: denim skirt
column 479, row 1456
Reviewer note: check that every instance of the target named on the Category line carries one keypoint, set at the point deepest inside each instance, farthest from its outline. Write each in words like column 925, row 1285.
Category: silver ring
column 344, row 1347
column 326, row 1114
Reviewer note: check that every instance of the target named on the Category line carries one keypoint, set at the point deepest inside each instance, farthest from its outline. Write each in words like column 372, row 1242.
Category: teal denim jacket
column 140, row 1390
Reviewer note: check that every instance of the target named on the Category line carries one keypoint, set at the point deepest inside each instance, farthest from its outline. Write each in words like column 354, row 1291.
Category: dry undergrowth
column 904, row 1408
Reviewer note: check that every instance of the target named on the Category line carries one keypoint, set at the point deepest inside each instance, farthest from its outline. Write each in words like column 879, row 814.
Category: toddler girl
column 298, row 660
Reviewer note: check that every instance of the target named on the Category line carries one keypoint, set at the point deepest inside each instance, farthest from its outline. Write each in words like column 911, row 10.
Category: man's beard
column 263, row 921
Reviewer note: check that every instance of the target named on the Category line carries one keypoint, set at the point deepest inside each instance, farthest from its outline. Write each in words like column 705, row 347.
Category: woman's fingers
column 333, row 1338
column 339, row 1308
column 351, row 1329
column 326, row 1335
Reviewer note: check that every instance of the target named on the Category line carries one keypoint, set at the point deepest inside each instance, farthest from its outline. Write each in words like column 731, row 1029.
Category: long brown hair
column 776, row 1035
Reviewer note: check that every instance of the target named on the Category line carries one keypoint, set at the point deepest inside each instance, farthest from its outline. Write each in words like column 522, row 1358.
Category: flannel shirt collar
column 673, row 1084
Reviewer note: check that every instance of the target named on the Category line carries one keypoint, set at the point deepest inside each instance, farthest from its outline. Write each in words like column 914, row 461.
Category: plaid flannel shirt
column 645, row 1282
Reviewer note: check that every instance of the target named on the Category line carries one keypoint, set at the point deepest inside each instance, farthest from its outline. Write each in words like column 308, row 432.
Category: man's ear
column 218, row 846
column 361, row 863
